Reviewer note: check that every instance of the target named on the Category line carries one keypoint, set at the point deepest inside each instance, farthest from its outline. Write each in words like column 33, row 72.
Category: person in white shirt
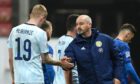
column 63, row 42
column 28, row 49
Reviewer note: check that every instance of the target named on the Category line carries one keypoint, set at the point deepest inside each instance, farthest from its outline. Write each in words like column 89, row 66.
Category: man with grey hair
column 94, row 54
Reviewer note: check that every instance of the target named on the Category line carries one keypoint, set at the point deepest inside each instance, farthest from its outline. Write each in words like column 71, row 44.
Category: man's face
column 82, row 26
column 49, row 32
column 129, row 36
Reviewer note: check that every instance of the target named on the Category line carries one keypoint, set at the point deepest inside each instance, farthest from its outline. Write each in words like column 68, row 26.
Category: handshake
column 66, row 63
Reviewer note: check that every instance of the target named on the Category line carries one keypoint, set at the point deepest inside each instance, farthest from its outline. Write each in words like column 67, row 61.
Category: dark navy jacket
column 96, row 59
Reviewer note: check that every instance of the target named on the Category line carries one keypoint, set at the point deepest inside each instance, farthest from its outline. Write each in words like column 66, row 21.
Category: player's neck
column 120, row 38
column 72, row 34
column 33, row 21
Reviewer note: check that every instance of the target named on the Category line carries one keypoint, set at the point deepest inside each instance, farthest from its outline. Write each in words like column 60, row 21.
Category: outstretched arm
column 11, row 64
column 132, row 73
column 46, row 58
column 68, row 76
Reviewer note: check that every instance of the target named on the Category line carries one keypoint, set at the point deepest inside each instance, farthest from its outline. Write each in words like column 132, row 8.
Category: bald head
column 84, row 25
column 84, row 18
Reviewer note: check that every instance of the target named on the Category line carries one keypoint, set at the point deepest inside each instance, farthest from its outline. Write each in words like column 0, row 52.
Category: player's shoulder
column 121, row 44
column 39, row 29
column 118, row 41
column 34, row 27
column 61, row 37
column 65, row 38
column 25, row 26
column 16, row 27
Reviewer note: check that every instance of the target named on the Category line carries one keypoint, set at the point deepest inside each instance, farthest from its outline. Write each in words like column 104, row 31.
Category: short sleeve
column 42, row 41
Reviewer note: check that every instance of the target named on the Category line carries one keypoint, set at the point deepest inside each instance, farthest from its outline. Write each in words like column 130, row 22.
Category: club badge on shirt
column 98, row 43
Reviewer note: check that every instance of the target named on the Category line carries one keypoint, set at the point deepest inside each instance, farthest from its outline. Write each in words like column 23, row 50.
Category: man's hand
column 65, row 63
column 116, row 81
column 13, row 82
column 66, row 59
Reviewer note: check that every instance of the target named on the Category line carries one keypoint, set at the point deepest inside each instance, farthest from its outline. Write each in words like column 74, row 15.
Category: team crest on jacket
column 100, row 50
column 98, row 43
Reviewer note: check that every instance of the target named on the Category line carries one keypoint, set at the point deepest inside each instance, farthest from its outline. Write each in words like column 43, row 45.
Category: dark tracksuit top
column 96, row 58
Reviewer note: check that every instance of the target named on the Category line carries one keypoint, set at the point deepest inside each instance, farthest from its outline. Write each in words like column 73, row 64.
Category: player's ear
column 126, row 36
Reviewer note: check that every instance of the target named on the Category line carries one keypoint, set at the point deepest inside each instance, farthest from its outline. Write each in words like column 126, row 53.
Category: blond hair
column 46, row 25
column 38, row 10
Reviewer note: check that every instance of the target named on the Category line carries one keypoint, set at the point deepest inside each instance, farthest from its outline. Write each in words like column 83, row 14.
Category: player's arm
column 68, row 76
column 129, row 67
column 46, row 58
column 116, row 81
column 132, row 73
column 11, row 64
column 68, row 73
column 10, row 50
